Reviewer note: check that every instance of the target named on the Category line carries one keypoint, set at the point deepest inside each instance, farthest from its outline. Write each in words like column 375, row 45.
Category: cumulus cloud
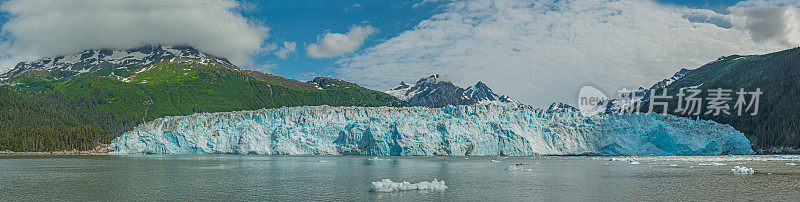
column 337, row 44
column 287, row 49
column 47, row 28
column 544, row 51
column 770, row 24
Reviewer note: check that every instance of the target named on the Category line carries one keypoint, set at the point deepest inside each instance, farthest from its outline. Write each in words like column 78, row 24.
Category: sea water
column 243, row 177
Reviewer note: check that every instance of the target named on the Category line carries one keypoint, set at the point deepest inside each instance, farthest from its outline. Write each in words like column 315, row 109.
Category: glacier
column 470, row 130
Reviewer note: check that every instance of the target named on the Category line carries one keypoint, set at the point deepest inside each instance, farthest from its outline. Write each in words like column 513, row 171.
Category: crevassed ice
column 477, row 130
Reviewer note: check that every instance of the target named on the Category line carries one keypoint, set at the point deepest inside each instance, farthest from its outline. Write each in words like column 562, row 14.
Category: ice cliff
column 477, row 130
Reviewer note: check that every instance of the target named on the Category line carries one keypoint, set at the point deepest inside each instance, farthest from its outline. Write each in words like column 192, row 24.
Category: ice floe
column 518, row 168
column 387, row 185
column 742, row 170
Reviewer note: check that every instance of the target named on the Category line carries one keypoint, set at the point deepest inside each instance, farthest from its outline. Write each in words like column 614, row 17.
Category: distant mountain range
column 115, row 90
column 433, row 91
column 88, row 98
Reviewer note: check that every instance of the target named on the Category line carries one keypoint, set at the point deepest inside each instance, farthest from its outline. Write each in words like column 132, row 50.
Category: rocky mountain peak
column 117, row 62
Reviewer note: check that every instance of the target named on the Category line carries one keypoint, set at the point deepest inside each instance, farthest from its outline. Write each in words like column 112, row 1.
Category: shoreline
column 101, row 149
column 75, row 153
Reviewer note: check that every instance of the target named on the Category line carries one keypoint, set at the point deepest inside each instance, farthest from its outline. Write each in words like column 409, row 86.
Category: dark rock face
column 439, row 94
column 481, row 92
column 433, row 91
column 557, row 106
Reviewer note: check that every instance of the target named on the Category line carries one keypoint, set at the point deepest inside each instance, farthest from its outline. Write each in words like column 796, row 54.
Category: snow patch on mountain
column 435, row 91
column 131, row 61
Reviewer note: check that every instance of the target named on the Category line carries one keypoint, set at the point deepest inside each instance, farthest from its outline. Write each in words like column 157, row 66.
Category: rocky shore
column 101, row 149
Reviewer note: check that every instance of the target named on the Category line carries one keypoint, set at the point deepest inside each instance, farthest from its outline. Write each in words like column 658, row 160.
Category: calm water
column 100, row 178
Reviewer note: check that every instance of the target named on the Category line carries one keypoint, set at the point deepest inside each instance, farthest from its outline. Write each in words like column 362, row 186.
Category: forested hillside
column 26, row 126
column 103, row 103
column 776, row 126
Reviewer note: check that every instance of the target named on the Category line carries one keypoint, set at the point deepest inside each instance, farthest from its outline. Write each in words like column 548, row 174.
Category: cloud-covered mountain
column 49, row 28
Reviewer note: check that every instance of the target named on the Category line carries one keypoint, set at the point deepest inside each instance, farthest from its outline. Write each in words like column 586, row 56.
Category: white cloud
column 47, row 28
column 425, row 2
column 544, row 51
column 288, row 48
column 337, row 44
column 765, row 24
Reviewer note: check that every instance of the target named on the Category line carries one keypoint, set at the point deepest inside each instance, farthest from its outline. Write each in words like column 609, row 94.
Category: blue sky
column 535, row 51
column 304, row 21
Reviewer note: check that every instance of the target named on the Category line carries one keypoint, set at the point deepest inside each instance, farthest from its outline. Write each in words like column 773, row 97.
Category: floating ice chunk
column 387, row 185
column 791, row 164
column 622, row 159
column 742, row 170
column 495, row 161
column 634, row 162
column 323, row 161
column 518, row 168
column 375, row 159
column 673, row 165
column 717, row 164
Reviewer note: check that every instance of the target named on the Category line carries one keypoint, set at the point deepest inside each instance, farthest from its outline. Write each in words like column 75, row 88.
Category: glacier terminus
column 468, row 130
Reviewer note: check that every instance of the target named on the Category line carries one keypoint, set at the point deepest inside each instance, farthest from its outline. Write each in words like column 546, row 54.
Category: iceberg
column 742, row 170
column 518, row 168
column 474, row 130
column 387, row 185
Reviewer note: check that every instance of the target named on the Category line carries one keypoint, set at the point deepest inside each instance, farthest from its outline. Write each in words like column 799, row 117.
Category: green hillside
column 26, row 126
column 777, row 75
column 180, row 88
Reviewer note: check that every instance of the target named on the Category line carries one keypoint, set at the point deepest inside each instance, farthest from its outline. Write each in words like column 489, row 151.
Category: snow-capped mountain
column 434, row 91
column 678, row 75
column 558, row 106
column 482, row 93
column 121, row 63
column 633, row 97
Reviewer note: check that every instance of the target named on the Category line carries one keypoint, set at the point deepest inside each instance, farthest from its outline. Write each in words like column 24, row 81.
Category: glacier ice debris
column 475, row 130
column 387, row 185
column 742, row 170
column 518, row 168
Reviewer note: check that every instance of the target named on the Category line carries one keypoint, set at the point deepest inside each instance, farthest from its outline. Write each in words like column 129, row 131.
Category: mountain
column 471, row 130
column 776, row 127
column 557, row 106
column 482, row 93
column 666, row 82
column 117, row 90
column 114, row 63
column 433, row 91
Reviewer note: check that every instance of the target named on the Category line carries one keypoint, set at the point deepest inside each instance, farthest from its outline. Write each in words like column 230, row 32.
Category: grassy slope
column 170, row 89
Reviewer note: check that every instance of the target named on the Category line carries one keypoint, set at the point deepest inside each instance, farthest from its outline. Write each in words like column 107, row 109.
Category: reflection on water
column 222, row 177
